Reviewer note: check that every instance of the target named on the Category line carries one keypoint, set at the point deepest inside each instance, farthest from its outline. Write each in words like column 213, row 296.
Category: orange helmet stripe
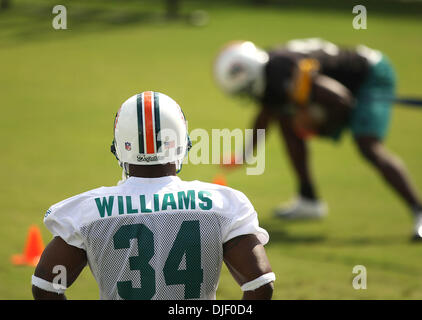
column 149, row 122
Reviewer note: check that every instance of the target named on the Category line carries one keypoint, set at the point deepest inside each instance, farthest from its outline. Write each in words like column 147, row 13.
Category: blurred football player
column 312, row 87
column 154, row 236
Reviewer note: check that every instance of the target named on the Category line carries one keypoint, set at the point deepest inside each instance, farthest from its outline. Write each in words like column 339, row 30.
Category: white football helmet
column 239, row 68
column 150, row 128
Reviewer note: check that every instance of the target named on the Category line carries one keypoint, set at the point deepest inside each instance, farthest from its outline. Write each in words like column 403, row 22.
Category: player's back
column 349, row 66
column 155, row 238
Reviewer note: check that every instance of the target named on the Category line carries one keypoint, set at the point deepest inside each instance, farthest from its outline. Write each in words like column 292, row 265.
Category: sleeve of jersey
column 62, row 221
column 245, row 220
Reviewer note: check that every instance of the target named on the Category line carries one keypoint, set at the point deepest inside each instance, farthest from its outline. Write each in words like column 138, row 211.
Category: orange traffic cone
column 33, row 249
column 220, row 179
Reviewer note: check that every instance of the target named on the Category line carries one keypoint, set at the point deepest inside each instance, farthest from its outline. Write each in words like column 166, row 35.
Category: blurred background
column 60, row 90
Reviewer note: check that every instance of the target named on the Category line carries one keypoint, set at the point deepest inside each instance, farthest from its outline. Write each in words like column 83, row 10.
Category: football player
column 312, row 87
column 154, row 236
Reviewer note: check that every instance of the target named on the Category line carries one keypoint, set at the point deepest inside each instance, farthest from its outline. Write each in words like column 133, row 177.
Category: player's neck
column 153, row 171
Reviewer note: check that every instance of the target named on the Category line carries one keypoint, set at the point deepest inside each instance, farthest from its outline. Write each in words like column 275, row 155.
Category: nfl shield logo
column 128, row 146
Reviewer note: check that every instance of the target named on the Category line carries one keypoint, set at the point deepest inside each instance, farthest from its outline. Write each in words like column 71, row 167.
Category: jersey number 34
column 187, row 243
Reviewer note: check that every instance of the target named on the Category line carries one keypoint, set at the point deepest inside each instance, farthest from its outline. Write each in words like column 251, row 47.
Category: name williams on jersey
column 128, row 204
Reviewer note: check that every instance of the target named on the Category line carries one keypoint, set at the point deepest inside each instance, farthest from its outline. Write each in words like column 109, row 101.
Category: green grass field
column 60, row 90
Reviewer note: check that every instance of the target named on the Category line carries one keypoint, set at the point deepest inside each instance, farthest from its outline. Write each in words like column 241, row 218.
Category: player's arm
column 70, row 259
column 262, row 121
column 335, row 102
column 248, row 263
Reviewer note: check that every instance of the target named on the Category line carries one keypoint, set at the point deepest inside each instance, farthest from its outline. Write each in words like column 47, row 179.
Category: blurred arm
column 246, row 260
column 262, row 121
column 58, row 253
column 335, row 100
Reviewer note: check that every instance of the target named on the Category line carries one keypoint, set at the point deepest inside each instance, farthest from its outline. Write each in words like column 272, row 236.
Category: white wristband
column 48, row 286
column 258, row 282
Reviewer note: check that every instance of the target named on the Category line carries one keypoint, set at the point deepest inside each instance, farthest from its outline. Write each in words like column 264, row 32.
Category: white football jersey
column 155, row 238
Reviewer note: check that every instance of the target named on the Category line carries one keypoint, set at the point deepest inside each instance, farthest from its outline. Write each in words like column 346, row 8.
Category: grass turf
column 60, row 90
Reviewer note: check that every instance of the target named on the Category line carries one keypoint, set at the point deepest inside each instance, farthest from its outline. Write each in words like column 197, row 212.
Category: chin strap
column 179, row 166
column 125, row 172
column 179, row 163
column 124, row 177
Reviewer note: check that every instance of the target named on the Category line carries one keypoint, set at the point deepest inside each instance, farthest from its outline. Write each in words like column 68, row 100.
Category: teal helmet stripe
column 139, row 107
column 157, row 120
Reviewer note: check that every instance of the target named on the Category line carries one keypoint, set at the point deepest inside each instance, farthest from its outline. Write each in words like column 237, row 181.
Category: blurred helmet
column 150, row 128
column 239, row 68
